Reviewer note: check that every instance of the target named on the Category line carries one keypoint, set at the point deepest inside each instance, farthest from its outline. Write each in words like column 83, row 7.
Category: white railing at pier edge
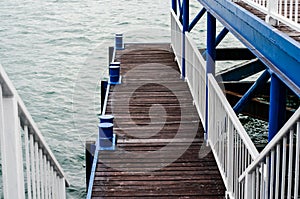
column 275, row 173
column 176, row 37
column 231, row 145
column 284, row 11
column 29, row 168
column 232, row 148
column 195, row 75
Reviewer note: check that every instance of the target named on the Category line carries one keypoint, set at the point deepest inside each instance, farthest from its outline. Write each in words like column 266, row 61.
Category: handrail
column 279, row 10
column 263, row 169
column 232, row 116
column 44, row 175
column 231, row 145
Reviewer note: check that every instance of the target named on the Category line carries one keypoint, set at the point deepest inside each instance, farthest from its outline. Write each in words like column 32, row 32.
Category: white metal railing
column 232, row 147
column 176, row 38
column 285, row 11
column 29, row 168
column 275, row 173
column 196, row 75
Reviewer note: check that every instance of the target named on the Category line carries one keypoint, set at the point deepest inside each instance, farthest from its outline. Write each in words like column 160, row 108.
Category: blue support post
column 196, row 19
column 185, row 26
column 263, row 78
column 174, row 6
column 210, row 58
column 211, row 44
column 277, row 106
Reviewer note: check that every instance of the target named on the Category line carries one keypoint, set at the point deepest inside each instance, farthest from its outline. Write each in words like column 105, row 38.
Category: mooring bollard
column 119, row 44
column 114, row 72
column 105, row 134
column 106, row 119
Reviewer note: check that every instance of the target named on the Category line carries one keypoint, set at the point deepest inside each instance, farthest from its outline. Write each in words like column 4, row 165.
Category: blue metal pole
column 174, row 6
column 263, row 78
column 210, row 58
column 196, row 19
column 211, row 44
column 185, row 26
column 277, row 106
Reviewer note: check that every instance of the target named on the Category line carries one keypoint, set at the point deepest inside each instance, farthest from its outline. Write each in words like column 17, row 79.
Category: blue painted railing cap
column 106, row 117
column 105, row 125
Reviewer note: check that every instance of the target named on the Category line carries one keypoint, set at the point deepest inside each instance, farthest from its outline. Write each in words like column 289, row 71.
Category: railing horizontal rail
column 21, row 139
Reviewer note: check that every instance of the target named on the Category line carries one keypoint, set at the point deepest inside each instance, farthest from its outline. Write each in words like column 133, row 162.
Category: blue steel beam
column 185, row 26
column 210, row 58
column 180, row 6
column 277, row 51
column 277, row 106
column 241, row 71
column 196, row 19
column 211, row 44
column 218, row 40
column 221, row 36
column 264, row 77
column 174, row 6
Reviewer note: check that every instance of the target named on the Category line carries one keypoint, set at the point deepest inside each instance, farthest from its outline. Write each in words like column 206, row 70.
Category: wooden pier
column 159, row 153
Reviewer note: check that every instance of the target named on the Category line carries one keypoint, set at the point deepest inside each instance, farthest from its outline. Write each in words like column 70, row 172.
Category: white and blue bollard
column 114, row 73
column 105, row 135
column 119, row 44
column 106, row 119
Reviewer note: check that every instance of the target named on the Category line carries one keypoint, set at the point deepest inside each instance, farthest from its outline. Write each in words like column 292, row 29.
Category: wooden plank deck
column 160, row 136
column 283, row 28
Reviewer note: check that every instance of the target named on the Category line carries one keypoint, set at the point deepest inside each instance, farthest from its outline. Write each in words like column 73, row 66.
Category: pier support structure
column 185, row 26
column 174, row 6
column 210, row 58
column 277, row 106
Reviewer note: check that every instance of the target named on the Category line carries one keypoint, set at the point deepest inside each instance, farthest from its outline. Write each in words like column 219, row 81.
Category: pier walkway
column 160, row 135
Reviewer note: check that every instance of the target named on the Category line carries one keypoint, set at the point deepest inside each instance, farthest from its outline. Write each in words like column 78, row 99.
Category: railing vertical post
column 272, row 7
column 11, row 146
column 210, row 57
column 277, row 106
column 185, row 27
column 248, row 187
column 174, row 6
column 230, row 156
